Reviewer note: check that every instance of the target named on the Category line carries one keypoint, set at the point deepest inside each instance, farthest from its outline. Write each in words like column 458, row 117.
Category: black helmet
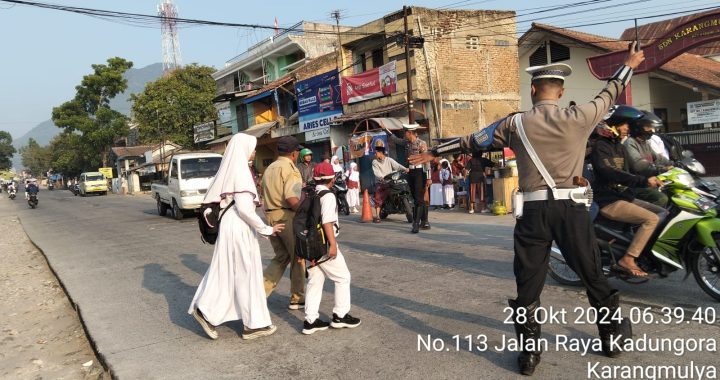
column 649, row 119
column 622, row 114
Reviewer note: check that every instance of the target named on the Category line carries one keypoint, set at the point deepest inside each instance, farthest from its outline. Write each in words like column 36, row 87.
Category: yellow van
column 92, row 182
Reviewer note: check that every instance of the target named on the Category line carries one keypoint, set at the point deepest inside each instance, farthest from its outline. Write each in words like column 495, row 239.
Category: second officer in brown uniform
column 559, row 136
column 282, row 185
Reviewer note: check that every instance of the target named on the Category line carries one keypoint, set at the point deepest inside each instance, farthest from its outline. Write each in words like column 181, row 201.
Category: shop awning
column 220, row 140
column 258, row 97
column 258, row 130
column 368, row 114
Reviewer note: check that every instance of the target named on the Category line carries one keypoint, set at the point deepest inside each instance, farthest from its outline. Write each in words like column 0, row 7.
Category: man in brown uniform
column 559, row 136
column 282, row 185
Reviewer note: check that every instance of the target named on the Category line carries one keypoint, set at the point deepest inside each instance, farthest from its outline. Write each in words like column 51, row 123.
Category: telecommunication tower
column 170, row 43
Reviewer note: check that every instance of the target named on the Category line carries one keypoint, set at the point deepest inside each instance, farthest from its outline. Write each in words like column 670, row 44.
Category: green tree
column 89, row 115
column 172, row 105
column 7, row 150
column 67, row 155
column 35, row 158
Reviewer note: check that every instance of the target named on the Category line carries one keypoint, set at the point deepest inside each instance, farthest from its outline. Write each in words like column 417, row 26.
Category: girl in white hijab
column 232, row 287
column 353, row 184
column 335, row 161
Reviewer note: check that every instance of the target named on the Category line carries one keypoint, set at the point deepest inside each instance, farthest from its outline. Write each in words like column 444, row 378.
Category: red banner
column 375, row 83
column 682, row 38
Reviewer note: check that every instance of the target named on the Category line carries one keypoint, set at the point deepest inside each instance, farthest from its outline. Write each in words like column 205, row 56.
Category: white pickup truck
column 186, row 183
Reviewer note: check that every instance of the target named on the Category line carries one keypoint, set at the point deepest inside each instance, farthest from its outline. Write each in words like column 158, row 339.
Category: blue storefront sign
column 318, row 100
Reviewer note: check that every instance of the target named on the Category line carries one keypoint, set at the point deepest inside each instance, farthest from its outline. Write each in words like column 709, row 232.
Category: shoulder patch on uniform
column 483, row 139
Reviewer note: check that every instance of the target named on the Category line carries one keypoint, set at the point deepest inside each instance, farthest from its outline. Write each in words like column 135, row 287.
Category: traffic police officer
column 418, row 176
column 282, row 185
column 558, row 135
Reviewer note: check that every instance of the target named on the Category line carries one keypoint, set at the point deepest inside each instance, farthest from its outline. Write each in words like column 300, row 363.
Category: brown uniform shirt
column 281, row 181
column 559, row 136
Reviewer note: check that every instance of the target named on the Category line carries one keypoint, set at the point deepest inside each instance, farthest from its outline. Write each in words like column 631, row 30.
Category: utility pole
column 411, row 115
column 337, row 15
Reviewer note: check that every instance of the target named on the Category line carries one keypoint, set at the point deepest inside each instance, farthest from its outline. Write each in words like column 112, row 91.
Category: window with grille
column 472, row 42
column 558, row 52
column 539, row 57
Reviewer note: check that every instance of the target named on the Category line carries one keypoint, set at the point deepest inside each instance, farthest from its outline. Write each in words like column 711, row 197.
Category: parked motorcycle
column 340, row 189
column 687, row 239
column 32, row 200
column 399, row 201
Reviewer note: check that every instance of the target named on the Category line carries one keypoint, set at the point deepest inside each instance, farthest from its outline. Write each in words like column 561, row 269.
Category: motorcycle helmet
column 622, row 114
column 304, row 152
column 649, row 119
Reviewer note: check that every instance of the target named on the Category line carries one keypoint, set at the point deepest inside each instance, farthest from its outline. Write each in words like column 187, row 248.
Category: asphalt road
column 133, row 274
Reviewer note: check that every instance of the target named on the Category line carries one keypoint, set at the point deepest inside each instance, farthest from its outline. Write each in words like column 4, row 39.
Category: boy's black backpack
column 210, row 224
column 310, row 242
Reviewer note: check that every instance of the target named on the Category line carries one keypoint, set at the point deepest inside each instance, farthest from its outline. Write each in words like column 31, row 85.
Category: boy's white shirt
column 328, row 208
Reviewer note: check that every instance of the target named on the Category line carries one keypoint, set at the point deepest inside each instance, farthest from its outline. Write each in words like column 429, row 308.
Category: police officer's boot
column 610, row 324
column 528, row 333
column 416, row 219
column 424, row 224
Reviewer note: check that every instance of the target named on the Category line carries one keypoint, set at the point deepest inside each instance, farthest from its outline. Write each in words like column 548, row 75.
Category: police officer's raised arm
column 592, row 113
column 494, row 136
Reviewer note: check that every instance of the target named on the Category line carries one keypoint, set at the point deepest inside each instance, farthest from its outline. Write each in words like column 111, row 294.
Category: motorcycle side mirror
column 687, row 154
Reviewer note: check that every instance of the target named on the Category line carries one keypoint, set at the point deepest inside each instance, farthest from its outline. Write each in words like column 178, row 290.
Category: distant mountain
column 44, row 132
column 137, row 78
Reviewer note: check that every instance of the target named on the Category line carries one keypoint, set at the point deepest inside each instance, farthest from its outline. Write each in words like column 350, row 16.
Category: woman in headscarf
column 353, row 185
column 337, row 167
column 232, row 287
column 447, row 183
column 436, row 189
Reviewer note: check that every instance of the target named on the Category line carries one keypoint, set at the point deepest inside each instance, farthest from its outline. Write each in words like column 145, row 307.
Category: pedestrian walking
column 353, row 185
column 547, row 181
column 282, row 186
column 232, row 287
column 477, row 166
column 333, row 265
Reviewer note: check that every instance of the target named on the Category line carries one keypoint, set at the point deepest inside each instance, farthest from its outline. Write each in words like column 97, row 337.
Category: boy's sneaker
column 296, row 305
column 249, row 334
column 206, row 326
column 348, row 321
column 318, row 325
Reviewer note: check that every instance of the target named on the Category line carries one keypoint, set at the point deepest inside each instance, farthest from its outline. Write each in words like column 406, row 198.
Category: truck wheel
column 161, row 207
column 176, row 211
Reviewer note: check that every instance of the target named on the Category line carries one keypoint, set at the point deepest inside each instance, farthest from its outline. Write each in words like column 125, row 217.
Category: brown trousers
column 284, row 247
column 636, row 212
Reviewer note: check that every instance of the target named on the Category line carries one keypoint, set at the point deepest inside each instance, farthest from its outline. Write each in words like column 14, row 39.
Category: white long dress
column 232, row 287
column 448, row 190
column 436, row 194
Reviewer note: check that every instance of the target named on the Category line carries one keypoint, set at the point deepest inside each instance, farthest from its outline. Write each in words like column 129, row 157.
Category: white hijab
column 336, row 166
column 234, row 174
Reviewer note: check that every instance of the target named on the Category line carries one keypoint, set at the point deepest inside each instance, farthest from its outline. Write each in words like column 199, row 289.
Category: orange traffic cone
column 366, row 210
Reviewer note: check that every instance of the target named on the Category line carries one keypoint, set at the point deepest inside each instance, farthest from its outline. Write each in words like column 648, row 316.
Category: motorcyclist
column 306, row 166
column 382, row 165
column 615, row 185
column 11, row 188
column 643, row 159
column 31, row 187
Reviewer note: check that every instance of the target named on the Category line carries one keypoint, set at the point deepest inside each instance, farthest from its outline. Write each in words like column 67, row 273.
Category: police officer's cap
column 288, row 144
column 411, row 127
column 554, row 71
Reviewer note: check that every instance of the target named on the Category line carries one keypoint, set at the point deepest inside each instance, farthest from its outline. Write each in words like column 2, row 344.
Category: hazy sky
column 44, row 53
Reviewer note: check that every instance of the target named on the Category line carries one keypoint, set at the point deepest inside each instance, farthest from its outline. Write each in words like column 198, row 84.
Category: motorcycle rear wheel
column 560, row 271
column 408, row 210
column 344, row 208
column 706, row 271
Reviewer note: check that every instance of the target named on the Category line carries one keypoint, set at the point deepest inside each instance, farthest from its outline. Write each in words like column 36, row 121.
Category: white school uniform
column 335, row 269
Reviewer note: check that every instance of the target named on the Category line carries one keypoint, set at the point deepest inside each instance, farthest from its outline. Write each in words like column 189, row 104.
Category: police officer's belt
column 543, row 195
column 416, row 167
column 275, row 209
